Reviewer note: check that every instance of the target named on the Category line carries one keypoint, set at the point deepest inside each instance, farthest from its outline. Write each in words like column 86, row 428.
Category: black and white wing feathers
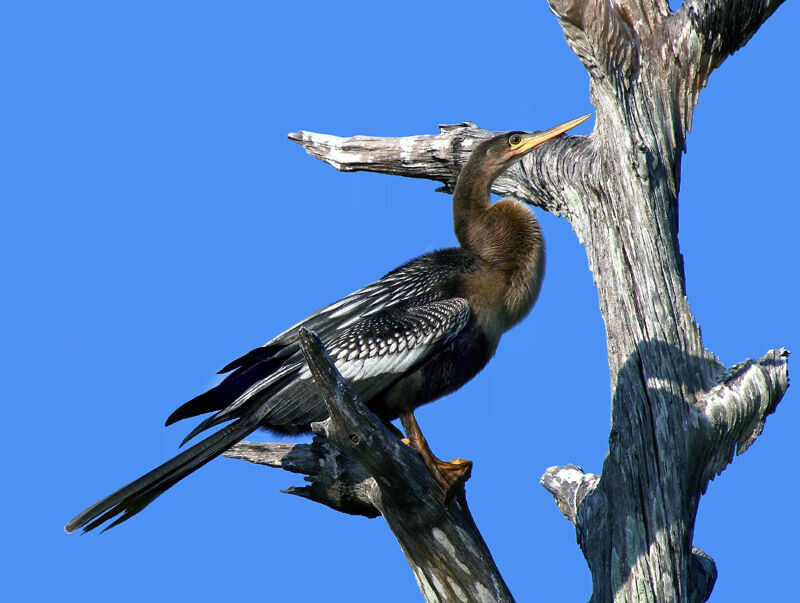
column 371, row 354
column 393, row 342
column 415, row 284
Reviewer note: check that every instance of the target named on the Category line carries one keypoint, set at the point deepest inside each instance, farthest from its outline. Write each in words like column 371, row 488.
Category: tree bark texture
column 678, row 416
column 369, row 471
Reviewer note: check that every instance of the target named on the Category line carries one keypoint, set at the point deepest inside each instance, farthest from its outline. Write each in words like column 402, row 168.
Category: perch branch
column 441, row 542
column 357, row 459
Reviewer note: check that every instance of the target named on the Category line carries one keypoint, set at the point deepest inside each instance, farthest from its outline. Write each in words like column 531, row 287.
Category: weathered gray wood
column 440, row 157
column 569, row 486
column 677, row 415
column 336, row 480
column 447, row 554
column 635, row 527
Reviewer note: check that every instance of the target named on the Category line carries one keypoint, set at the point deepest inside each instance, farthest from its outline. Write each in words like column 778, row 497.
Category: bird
column 409, row 338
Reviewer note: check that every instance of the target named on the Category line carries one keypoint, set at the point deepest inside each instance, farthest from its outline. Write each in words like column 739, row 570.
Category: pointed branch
column 336, row 480
column 541, row 179
column 297, row 458
column 737, row 408
column 436, row 157
column 569, row 485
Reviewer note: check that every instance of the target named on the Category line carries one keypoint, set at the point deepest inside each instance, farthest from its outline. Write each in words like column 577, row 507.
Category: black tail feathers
column 251, row 368
column 129, row 500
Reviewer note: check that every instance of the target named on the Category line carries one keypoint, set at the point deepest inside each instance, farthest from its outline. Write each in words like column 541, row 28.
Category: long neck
column 507, row 237
column 471, row 200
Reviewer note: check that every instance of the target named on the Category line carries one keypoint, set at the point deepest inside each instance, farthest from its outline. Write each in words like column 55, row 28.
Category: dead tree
column 678, row 415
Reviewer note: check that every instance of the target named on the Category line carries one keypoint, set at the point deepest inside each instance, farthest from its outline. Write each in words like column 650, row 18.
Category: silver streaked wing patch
column 396, row 340
column 415, row 280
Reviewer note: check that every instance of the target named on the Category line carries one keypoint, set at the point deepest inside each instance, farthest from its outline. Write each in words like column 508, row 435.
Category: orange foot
column 452, row 476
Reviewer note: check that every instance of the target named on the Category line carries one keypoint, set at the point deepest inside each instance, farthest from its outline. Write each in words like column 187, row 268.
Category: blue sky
column 157, row 223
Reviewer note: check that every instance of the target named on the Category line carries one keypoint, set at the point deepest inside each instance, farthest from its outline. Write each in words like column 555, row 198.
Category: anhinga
column 420, row 332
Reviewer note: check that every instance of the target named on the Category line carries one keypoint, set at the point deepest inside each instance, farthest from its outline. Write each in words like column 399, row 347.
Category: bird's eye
column 514, row 139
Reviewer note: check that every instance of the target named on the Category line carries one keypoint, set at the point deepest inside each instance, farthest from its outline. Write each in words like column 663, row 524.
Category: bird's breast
column 485, row 290
column 507, row 277
column 500, row 298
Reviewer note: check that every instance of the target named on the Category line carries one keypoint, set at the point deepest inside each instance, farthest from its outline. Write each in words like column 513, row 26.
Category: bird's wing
column 371, row 354
column 414, row 284
column 394, row 341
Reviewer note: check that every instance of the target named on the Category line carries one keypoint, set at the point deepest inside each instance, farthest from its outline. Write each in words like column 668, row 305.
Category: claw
column 451, row 475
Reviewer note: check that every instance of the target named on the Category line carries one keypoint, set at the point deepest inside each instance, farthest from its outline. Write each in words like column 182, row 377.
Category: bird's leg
column 453, row 475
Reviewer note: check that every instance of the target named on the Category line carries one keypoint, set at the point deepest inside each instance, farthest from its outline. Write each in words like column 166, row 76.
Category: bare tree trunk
column 678, row 415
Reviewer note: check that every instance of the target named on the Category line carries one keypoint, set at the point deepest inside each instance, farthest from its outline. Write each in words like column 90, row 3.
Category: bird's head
column 499, row 152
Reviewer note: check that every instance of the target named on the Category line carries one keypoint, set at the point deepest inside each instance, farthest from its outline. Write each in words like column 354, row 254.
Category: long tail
column 129, row 500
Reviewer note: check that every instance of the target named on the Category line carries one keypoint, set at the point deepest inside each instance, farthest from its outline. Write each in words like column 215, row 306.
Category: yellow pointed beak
column 535, row 139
